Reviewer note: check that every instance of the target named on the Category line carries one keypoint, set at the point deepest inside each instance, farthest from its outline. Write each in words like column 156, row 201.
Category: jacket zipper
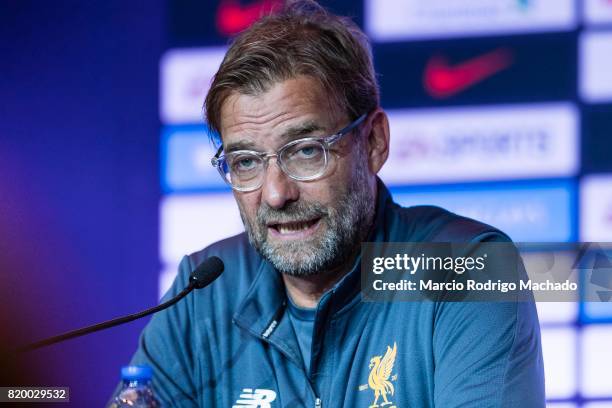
column 318, row 401
column 265, row 336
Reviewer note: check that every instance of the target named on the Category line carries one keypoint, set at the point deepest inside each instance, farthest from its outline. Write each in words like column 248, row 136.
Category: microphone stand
column 109, row 323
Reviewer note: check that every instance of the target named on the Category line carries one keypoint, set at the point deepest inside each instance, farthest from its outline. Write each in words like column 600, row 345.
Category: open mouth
column 294, row 228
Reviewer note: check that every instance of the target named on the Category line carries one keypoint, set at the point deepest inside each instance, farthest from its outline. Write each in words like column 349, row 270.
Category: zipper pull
column 318, row 403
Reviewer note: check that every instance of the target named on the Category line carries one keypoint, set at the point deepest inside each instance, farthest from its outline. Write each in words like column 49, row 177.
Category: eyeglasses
column 302, row 160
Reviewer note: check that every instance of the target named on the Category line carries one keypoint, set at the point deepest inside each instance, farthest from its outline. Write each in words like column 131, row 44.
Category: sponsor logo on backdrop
column 596, row 208
column 482, row 143
column 595, row 361
column 234, row 16
column 559, row 353
column 388, row 20
column 597, row 11
column 595, row 59
column 442, row 79
column 557, row 312
column 189, row 223
column 186, row 154
column 528, row 212
column 185, row 79
column 597, row 312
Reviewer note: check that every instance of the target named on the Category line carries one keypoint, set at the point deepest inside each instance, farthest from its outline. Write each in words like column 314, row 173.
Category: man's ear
column 377, row 139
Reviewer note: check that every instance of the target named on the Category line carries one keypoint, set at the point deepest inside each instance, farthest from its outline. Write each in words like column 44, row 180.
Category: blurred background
column 500, row 110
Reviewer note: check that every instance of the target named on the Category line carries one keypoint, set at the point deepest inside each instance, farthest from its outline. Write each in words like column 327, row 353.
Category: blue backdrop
column 104, row 163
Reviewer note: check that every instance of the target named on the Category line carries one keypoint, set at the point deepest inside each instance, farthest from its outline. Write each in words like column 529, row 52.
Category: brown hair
column 302, row 39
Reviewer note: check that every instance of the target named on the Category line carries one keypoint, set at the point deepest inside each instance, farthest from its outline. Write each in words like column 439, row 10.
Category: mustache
column 292, row 212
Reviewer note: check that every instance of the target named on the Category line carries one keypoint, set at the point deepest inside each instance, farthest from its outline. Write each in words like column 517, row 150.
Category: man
column 302, row 135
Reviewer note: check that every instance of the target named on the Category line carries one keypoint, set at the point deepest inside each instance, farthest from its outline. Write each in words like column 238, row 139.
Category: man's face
column 301, row 227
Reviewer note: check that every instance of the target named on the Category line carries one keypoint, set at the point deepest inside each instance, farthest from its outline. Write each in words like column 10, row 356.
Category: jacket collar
column 265, row 302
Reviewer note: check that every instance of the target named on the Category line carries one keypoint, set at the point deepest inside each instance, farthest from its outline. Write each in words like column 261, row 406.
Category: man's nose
column 278, row 189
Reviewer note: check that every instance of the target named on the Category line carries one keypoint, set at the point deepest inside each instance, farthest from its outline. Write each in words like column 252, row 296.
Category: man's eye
column 307, row 152
column 246, row 163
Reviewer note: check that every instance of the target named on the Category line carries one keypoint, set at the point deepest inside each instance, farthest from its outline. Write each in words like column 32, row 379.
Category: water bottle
column 136, row 391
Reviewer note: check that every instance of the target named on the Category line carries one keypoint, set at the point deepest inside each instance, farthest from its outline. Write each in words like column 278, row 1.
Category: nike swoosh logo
column 442, row 80
column 233, row 17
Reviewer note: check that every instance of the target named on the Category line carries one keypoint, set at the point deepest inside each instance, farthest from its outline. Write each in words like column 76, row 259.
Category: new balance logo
column 259, row 398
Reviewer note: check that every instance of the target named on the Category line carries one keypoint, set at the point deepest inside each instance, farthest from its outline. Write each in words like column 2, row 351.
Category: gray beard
column 347, row 225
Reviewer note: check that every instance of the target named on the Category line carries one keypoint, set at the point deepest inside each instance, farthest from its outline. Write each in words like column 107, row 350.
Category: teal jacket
column 231, row 344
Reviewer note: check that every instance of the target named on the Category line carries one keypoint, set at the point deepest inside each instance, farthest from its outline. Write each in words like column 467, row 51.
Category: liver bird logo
column 380, row 378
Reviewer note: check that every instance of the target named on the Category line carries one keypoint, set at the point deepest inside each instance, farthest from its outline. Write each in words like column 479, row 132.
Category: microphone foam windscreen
column 206, row 272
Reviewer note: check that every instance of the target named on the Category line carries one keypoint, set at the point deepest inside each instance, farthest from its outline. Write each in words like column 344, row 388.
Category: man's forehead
column 288, row 108
column 254, row 142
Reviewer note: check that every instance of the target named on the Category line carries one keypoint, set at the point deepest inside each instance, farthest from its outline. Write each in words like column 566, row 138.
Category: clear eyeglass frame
column 220, row 160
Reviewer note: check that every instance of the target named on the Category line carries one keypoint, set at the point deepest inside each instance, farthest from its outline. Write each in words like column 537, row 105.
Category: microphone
column 206, row 272
column 202, row 276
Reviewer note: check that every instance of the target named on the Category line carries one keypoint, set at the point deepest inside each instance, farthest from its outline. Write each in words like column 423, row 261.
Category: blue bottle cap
column 136, row 373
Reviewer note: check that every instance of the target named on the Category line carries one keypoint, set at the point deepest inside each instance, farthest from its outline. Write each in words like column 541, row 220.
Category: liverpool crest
column 381, row 378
